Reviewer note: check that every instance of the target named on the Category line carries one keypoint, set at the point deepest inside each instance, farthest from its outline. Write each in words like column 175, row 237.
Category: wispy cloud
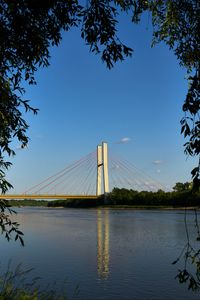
column 157, row 162
column 124, row 140
column 158, row 171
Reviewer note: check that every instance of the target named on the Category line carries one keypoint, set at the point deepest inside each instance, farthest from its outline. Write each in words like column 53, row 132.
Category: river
column 105, row 254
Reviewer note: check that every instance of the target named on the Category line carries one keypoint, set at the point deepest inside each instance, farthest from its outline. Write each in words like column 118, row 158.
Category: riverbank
column 28, row 202
column 121, row 207
column 131, row 198
column 123, row 198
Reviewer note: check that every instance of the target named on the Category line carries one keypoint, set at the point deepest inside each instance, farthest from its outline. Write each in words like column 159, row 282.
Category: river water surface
column 103, row 253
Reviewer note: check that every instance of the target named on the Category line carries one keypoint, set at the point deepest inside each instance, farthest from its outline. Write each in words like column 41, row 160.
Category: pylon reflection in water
column 103, row 237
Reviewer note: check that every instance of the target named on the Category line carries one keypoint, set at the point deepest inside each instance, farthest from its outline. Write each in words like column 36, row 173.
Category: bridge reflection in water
column 103, row 240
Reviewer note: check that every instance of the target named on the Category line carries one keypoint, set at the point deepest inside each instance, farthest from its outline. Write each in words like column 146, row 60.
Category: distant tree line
column 182, row 196
column 183, row 187
column 27, row 202
column 176, row 198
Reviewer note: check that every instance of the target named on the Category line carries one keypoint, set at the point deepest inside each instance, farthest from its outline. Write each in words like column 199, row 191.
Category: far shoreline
column 131, row 207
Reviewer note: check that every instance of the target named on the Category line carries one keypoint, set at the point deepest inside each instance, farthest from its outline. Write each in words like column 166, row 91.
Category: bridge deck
column 26, row 196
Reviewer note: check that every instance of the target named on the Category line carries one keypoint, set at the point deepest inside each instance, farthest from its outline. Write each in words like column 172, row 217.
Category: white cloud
column 157, row 162
column 124, row 140
column 158, row 171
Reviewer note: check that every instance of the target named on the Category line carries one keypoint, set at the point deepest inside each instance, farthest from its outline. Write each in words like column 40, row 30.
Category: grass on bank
column 17, row 285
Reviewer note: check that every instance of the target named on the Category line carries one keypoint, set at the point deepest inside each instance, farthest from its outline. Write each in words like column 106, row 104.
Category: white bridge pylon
column 102, row 169
column 91, row 177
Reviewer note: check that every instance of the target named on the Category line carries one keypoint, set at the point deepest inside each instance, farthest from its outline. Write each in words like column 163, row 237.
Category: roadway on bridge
column 43, row 196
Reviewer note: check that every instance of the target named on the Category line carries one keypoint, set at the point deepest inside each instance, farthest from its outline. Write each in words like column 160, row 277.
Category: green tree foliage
column 28, row 28
column 142, row 199
column 182, row 187
column 178, row 198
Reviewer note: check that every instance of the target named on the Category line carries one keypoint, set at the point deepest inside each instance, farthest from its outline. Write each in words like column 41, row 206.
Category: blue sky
column 81, row 103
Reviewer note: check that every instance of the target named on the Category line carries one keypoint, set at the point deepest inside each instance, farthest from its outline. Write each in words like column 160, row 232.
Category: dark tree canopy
column 28, row 28
column 182, row 187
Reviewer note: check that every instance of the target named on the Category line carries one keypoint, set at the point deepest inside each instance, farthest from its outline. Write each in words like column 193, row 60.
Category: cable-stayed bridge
column 89, row 177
